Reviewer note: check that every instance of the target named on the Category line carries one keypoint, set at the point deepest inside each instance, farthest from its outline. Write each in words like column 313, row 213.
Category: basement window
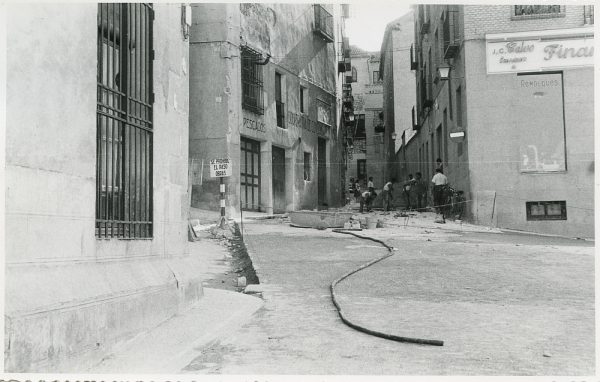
column 556, row 210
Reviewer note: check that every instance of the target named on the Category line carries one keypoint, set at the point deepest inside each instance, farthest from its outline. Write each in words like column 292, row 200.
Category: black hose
column 361, row 328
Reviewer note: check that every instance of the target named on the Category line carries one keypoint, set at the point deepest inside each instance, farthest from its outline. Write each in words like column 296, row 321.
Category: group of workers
column 413, row 189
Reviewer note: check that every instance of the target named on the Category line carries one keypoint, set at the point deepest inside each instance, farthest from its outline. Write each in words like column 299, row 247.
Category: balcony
column 323, row 23
column 348, row 100
column 451, row 35
column 344, row 67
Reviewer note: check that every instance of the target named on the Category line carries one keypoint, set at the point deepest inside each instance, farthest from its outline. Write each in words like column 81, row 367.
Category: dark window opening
column 376, row 78
column 124, row 121
column 307, row 162
column 302, row 101
column 279, row 104
column 556, row 210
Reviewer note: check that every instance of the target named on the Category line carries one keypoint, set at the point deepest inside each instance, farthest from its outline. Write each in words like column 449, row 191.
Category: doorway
column 322, row 171
column 278, row 175
column 250, row 174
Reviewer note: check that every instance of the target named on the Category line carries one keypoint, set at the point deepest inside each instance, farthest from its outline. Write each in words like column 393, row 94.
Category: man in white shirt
column 386, row 194
column 439, row 181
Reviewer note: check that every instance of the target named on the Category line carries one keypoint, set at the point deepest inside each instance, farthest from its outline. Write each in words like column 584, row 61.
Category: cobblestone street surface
column 503, row 303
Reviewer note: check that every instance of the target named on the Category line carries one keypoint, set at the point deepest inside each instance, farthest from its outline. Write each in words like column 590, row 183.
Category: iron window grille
column 323, row 23
column 540, row 11
column 124, row 121
column 556, row 210
column 252, row 81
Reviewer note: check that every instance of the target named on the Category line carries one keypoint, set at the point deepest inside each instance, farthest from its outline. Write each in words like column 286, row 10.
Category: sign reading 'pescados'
column 534, row 54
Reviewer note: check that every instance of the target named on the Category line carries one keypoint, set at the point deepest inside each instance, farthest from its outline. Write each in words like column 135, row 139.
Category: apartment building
column 505, row 99
column 265, row 92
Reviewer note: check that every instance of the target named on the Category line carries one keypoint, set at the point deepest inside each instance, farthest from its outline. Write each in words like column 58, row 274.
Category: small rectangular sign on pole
column 220, row 168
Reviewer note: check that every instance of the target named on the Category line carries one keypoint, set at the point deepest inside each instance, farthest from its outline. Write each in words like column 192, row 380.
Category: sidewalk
column 169, row 347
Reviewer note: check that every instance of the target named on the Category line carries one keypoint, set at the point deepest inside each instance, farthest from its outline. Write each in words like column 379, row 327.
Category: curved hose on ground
column 361, row 328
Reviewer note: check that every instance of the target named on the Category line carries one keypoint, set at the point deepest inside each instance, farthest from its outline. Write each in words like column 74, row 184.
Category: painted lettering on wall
column 559, row 51
column 537, row 54
column 305, row 123
column 254, row 125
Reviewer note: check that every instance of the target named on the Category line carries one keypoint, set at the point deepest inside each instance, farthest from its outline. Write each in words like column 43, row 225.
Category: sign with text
column 535, row 54
column 220, row 168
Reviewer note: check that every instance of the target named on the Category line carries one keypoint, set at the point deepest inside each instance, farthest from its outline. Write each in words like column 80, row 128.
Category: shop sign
column 535, row 54
column 220, row 168
column 251, row 124
column 305, row 123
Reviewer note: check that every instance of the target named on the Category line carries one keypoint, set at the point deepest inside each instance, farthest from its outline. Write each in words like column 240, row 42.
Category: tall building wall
column 69, row 293
column 508, row 98
column 368, row 101
column 283, row 37
column 496, row 113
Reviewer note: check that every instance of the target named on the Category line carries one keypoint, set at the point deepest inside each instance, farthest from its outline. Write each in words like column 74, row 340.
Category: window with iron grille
column 124, row 121
column 252, row 81
column 531, row 11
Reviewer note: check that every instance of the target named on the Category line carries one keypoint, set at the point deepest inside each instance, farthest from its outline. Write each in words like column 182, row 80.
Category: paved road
column 503, row 304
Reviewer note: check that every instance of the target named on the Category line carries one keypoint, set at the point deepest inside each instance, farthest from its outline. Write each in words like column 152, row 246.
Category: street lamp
column 444, row 72
column 394, row 136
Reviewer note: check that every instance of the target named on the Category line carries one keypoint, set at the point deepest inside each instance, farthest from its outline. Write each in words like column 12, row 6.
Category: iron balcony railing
column 323, row 23
column 451, row 34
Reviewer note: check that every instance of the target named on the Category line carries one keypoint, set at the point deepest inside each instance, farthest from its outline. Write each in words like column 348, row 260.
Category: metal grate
column 252, row 81
column 124, row 121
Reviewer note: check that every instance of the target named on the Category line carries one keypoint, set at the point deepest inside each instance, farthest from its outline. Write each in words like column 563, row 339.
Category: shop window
column 252, row 81
column 124, row 121
column 531, row 11
column 546, row 210
column 539, row 106
column 307, row 162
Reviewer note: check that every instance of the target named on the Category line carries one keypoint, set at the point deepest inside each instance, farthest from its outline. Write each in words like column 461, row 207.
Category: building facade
column 399, row 93
column 96, row 178
column 366, row 158
column 265, row 93
column 505, row 99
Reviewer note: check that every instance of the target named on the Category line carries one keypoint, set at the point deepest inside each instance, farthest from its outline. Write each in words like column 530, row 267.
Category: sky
column 368, row 20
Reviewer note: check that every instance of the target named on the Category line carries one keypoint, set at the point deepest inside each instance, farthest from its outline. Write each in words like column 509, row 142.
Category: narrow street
column 503, row 303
